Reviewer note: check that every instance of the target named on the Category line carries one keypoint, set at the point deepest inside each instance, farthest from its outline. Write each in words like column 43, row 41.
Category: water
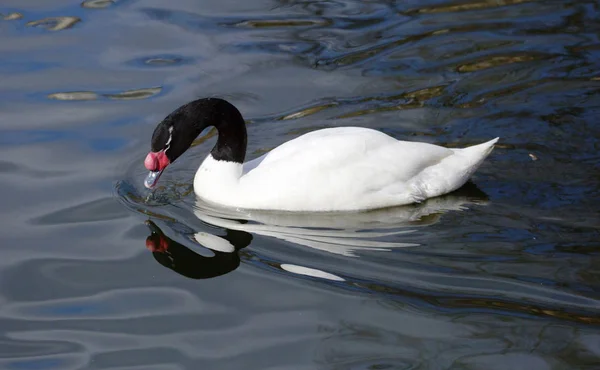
column 501, row 275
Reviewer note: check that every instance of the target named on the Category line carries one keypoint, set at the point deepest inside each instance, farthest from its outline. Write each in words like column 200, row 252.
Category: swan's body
column 335, row 169
column 339, row 169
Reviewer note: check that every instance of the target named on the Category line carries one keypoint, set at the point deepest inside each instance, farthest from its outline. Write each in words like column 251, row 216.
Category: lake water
column 97, row 274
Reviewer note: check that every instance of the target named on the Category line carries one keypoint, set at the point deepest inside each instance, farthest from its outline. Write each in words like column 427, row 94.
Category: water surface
column 95, row 274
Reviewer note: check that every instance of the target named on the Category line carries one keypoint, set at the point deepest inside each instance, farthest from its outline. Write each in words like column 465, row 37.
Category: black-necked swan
column 332, row 169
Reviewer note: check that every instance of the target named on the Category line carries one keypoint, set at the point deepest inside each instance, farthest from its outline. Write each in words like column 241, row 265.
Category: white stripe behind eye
column 168, row 144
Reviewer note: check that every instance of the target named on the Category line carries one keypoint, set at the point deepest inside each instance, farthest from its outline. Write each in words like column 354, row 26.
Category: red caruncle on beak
column 156, row 161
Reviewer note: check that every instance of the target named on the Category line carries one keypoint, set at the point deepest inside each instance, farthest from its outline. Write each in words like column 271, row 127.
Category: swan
column 332, row 169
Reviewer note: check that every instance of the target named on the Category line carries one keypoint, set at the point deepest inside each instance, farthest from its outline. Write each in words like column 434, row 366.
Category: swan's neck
column 232, row 141
column 218, row 180
column 218, row 177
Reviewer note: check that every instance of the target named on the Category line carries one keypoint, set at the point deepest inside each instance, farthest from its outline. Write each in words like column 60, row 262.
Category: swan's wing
column 347, row 147
column 332, row 143
column 342, row 163
column 335, row 143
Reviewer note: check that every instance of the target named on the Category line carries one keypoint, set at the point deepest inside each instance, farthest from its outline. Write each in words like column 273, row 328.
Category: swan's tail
column 453, row 171
column 474, row 155
column 467, row 160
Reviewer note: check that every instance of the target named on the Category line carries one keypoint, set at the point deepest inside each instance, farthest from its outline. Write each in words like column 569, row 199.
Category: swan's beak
column 156, row 162
column 152, row 179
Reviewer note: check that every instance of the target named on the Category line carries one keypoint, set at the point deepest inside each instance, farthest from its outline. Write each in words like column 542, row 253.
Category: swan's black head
column 175, row 134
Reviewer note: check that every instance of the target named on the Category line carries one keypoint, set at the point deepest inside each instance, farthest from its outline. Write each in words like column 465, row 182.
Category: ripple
column 160, row 61
column 494, row 61
column 467, row 6
column 270, row 330
column 55, row 23
column 277, row 23
column 408, row 100
column 298, row 48
column 308, row 111
column 106, row 209
column 12, row 16
column 97, row 4
column 74, row 95
column 16, row 349
column 58, row 362
column 33, row 173
column 134, row 94
column 115, row 304
column 504, row 361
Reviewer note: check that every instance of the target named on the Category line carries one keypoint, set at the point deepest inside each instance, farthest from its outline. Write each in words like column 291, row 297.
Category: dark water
column 504, row 274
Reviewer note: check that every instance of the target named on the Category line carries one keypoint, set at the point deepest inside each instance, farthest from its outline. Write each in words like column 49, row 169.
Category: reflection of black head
column 184, row 261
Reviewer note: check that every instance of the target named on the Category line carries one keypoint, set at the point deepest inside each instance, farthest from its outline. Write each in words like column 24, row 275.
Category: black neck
column 232, row 141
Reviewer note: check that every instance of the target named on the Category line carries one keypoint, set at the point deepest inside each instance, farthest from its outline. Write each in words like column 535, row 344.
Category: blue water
column 97, row 274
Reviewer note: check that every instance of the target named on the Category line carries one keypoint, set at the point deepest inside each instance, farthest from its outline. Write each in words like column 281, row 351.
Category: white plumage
column 339, row 169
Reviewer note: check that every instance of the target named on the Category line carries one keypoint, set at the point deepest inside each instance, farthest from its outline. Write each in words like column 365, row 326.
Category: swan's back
column 340, row 168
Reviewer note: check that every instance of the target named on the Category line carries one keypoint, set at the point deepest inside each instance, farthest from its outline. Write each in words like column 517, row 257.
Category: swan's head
column 176, row 133
column 161, row 155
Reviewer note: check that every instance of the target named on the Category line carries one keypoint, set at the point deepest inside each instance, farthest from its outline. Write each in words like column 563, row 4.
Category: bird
column 335, row 169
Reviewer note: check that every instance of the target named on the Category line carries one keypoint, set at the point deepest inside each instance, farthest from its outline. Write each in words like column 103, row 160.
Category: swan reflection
column 186, row 262
column 183, row 260
column 202, row 254
column 343, row 233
